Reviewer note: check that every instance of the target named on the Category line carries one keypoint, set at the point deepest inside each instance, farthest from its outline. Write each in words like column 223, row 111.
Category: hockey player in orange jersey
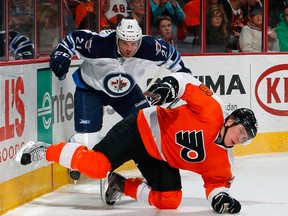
column 195, row 136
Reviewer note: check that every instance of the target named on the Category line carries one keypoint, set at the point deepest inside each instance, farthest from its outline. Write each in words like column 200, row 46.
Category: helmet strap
column 220, row 140
column 224, row 135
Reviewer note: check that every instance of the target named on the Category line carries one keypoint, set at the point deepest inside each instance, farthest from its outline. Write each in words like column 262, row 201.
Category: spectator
column 216, row 29
column 250, row 39
column 138, row 12
column 247, row 5
column 48, row 26
column 164, row 29
column 105, row 23
column 116, row 11
column 191, row 23
column 21, row 22
column 86, row 17
column 235, row 21
column 282, row 30
column 166, row 7
column 82, row 10
column 24, row 7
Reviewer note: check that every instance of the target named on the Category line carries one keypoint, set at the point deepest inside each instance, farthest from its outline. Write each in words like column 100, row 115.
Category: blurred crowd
column 228, row 25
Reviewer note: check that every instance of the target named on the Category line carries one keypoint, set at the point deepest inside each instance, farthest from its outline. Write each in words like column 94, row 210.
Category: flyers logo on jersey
column 192, row 143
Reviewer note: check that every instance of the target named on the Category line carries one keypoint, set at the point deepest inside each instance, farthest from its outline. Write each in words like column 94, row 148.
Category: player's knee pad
column 87, row 139
column 165, row 200
column 93, row 164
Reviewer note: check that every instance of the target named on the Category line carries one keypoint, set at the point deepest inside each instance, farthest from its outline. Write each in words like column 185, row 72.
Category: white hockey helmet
column 128, row 30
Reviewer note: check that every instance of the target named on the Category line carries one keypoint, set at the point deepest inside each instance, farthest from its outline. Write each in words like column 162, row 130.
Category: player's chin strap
column 220, row 140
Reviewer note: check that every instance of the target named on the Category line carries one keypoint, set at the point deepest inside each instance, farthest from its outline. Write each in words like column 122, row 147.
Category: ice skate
column 31, row 152
column 102, row 183
column 115, row 188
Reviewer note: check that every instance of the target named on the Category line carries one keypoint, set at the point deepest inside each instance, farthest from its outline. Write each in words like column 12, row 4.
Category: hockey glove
column 21, row 46
column 222, row 202
column 60, row 62
column 164, row 92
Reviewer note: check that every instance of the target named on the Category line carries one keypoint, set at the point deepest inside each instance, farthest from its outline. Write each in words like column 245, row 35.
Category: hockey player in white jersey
column 114, row 60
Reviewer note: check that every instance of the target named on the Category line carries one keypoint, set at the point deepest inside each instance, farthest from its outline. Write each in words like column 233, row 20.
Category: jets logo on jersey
column 157, row 47
column 118, row 84
column 192, row 143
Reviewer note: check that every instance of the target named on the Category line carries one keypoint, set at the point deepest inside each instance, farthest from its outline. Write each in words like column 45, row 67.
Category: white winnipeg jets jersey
column 106, row 70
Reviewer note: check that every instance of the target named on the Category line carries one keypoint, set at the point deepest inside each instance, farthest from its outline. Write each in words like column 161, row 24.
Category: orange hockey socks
column 91, row 163
column 131, row 187
column 77, row 157
column 139, row 190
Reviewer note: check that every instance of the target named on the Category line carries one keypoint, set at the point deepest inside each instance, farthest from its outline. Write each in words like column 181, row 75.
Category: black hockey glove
column 21, row 46
column 164, row 92
column 222, row 202
column 184, row 69
column 60, row 62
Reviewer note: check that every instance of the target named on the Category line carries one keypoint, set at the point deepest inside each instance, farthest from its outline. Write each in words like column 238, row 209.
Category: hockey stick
column 173, row 103
column 155, row 77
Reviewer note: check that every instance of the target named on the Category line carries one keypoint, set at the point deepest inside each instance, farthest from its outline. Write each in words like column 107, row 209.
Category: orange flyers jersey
column 184, row 136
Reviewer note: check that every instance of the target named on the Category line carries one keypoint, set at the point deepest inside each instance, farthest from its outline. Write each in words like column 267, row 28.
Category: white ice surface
column 261, row 185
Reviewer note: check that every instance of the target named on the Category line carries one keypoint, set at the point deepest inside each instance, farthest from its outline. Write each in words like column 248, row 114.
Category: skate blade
column 24, row 147
column 102, row 184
